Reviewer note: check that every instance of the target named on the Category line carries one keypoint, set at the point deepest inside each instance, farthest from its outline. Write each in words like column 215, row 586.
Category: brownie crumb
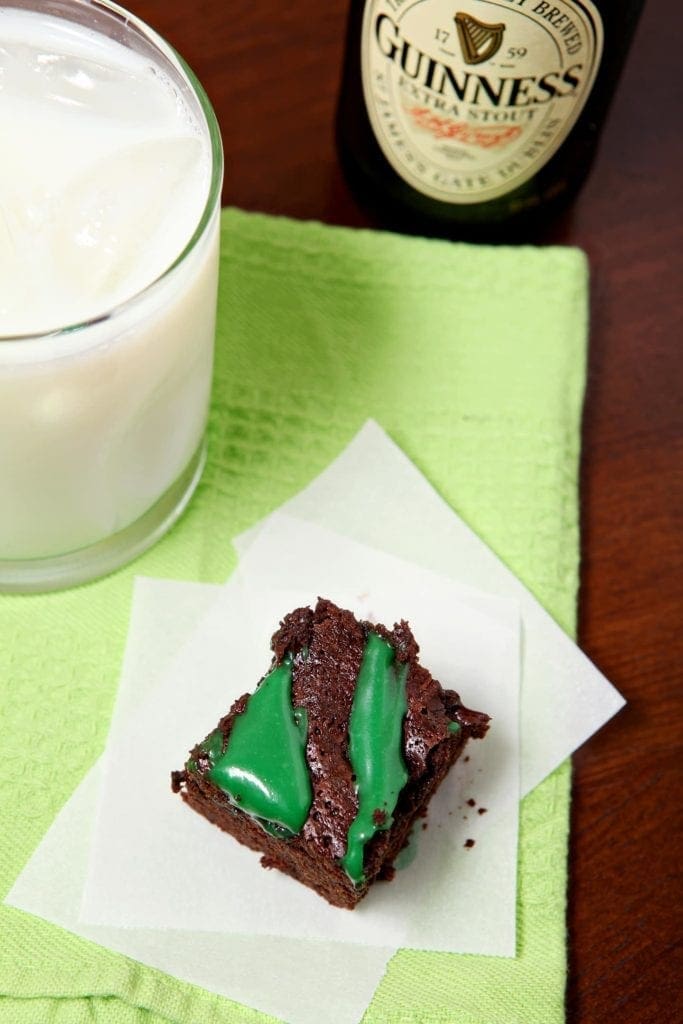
column 177, row 779
column 482, row 810
column 469, row 843
column 424, row 826
column 471, row 802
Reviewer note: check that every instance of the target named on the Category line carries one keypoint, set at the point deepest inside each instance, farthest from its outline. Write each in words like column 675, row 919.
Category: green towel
column 472, row 359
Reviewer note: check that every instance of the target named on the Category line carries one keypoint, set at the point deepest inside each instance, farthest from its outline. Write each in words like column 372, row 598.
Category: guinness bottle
column 476, row 118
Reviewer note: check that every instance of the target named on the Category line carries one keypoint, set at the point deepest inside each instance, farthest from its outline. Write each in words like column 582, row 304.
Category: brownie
column 324, row 768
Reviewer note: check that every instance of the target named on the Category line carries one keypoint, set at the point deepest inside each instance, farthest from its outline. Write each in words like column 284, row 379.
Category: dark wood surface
column 272, row 72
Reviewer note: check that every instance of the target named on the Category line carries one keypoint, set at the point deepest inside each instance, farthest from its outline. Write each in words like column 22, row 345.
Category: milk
column 105, row 173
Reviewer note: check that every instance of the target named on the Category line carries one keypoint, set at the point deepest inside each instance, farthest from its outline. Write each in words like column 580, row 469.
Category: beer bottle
column 476, row 118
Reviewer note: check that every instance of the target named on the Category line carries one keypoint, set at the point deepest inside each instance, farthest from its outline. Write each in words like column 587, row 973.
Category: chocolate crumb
column 471, row 802
column 469, row 843
column 482, row 810
column 424, row 826
column 379, row 817
column 466, row 759
column 177, row 779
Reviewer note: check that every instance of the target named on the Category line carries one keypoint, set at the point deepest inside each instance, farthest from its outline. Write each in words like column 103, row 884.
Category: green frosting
column 375, row 743
column 263, row 769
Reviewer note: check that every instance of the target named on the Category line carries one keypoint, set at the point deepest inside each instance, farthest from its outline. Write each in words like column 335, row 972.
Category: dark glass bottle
column 476, row 119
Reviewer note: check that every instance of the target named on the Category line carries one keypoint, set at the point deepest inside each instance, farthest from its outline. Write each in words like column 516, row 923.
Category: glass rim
column 215, row 183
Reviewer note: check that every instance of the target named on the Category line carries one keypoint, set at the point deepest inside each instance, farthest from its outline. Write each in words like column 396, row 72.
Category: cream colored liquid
column 104, row 176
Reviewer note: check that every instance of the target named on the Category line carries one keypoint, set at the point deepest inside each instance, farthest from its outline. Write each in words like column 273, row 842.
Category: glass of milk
column 110, row 179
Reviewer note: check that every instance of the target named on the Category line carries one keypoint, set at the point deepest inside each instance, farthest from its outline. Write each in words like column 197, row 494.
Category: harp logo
column 478, row 40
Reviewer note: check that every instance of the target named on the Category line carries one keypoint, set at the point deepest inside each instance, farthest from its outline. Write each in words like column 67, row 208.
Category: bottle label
column 468, row 99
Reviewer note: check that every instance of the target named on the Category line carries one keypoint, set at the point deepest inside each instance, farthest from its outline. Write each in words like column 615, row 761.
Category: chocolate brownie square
column 326, row 765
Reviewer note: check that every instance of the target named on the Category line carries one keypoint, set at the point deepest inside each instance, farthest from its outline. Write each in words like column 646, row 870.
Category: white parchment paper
column 154, row 864
column 373, row 494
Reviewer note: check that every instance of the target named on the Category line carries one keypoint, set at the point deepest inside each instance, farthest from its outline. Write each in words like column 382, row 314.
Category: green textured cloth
column 473, row 360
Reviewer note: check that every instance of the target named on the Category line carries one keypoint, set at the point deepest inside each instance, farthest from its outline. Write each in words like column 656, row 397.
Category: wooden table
column 272, row 71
